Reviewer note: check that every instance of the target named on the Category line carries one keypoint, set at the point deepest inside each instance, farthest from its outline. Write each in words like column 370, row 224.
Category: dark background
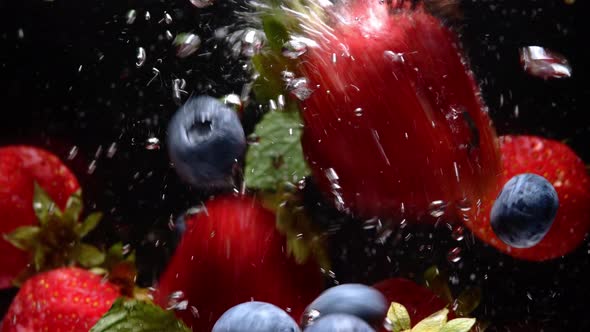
column 70, row 79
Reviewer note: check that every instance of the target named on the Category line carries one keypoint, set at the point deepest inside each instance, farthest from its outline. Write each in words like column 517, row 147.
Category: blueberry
column 255, row 316
column 339, row 323
column 358, row 300
column 524, row 210
column 205, row 139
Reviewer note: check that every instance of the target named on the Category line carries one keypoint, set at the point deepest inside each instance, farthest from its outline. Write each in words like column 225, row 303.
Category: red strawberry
column 232, row 253
column 420, row 301
column 65, row 299
column 20, row 167
column 396, row 120
column 566, row 171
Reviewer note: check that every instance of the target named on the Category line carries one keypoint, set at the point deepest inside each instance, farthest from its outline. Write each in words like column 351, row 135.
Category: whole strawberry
column 231, row 253
column 395, row 121
column 559, row 165
column 65, row 299
column 20, row 168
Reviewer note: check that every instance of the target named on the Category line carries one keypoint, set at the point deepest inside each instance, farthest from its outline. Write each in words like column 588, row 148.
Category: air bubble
column 141, row 56
column 201, row 3
column 437, row 208
column 131, row 16
column 186, row 44
column 454, row 255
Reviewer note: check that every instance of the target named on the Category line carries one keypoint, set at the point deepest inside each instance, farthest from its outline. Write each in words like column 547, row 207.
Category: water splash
column 544, row 63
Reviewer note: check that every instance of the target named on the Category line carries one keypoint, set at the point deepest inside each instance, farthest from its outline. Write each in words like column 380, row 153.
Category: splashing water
column 543, row 63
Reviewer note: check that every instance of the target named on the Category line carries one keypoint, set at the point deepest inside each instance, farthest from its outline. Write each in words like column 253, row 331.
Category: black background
column 71, row 80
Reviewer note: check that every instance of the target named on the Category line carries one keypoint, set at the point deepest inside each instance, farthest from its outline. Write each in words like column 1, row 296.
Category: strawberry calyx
column 56, row 240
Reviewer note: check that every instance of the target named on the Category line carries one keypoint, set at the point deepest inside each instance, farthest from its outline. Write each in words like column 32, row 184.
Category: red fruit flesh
column 420, row 301
column 66, row 299
column 396, row 117
column 566, row 171
column 20, row 167
column 231, row 254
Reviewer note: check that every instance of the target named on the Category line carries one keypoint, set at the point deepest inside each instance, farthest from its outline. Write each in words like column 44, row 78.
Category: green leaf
column 437, row 282
column 275, row 31
column 467, row 301
column 458, row 325
column 90, row 256
column 89, row 224
column 24, row 238
column 398, row 317
column 277, row 157
column 138, row 316
column 73, row 207
column 43, row 205
column 432, row 323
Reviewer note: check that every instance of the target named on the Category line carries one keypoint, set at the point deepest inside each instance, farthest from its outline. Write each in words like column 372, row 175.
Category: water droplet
column 437, row 208
column 167, row 18
column 131, row 16
column 458, row 233
column 393, row 56
column 153, row 143
column 147, row 16
column 169, row 35
column 178, row 85
column 91, row 167
column 294, row 48
column 309, row 316
column 20, row 33
column 73, row 152
column 543, row 63
column 454, row 255
column 140, row 57
column 358, row 111
column 201, row 3
column 186, row 44
column 299, row 88
column 112, row 150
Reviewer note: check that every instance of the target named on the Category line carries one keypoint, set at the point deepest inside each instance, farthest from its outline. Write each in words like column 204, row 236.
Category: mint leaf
column 436, row 280
column 432, row 323
column 277, row 156
column 138, row 316
column 398, row 317
column 458, row 325
column 467, row 301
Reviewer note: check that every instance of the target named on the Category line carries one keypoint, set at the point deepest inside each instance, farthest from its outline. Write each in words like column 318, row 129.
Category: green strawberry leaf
column 43, row 205
column 24, row 238
column 138, row 316
column 458, row 325
column 432, row 323
column 73, row 208
column 90, row 256
column 89, row 224
column 277, row 156
column 398, row 317
column 467, row 301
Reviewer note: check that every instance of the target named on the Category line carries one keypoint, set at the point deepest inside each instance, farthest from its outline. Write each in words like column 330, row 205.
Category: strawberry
column 20, row 168
column 232, row 253
column 418, row 300
column 65, row 299
column 557, row 163
column 395, row 120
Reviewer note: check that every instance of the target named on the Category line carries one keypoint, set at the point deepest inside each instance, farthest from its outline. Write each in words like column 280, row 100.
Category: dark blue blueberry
column 524, row 210
column 255, row 316
column 205, row 139
column 339, row 323
column 358, row 300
